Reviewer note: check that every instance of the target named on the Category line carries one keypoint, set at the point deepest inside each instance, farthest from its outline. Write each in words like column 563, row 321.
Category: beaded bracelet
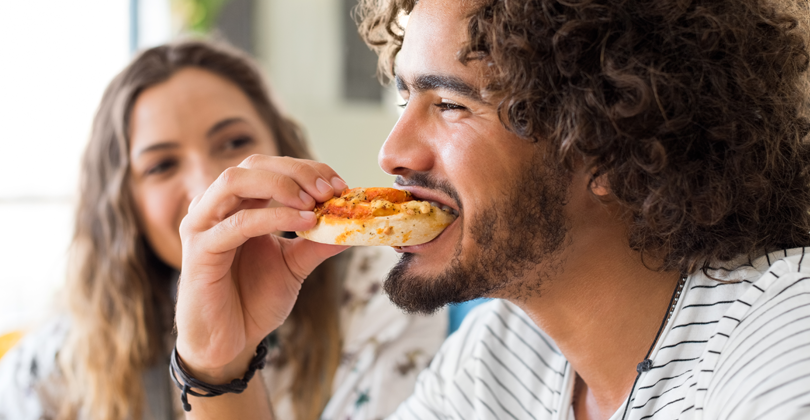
column 236, row 386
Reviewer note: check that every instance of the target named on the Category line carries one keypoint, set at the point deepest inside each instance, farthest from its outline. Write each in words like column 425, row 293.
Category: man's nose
column 407, row 148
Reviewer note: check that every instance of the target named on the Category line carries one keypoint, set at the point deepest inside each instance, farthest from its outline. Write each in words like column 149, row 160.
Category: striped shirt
column 733, row 349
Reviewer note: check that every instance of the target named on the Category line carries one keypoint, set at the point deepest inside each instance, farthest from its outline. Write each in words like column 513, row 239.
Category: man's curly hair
column 694, row 110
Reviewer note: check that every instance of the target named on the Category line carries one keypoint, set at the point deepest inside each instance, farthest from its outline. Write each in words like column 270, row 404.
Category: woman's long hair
column 119, row 290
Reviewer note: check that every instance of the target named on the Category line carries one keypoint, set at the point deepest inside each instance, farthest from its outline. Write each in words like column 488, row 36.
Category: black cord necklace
column 646, row 364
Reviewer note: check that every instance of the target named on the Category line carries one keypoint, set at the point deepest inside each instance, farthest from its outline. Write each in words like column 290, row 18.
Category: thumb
column 303, row 255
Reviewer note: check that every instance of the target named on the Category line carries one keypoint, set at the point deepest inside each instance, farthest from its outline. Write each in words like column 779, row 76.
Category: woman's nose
column 198, row 177
column 407, row 149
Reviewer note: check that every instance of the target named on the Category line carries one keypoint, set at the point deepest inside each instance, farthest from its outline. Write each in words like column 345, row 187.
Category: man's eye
column 450, row 106
column 161, row 167
column 403, row 105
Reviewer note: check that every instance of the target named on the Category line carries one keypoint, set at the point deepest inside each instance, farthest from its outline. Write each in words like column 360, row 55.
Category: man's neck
column 603, row 309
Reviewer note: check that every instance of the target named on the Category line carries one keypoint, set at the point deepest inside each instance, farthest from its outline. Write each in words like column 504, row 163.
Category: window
column 58, row 57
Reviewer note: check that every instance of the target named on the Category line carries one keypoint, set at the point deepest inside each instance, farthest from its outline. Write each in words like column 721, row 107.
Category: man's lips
column 434, row 197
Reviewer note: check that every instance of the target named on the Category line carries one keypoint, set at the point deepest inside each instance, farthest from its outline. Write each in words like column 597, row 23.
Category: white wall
column 57, row 57
column 299, row 44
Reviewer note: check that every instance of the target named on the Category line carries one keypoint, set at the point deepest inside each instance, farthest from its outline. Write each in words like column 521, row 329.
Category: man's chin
column 426, row 294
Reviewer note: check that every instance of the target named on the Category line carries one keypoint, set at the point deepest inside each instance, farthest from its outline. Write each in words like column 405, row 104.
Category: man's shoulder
column 734, row 296
column 757, row 360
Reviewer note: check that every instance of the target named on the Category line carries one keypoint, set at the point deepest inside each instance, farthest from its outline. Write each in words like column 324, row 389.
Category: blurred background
column 57, row 57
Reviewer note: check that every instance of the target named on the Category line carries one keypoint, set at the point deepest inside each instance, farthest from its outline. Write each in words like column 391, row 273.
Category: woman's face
column 184, row 133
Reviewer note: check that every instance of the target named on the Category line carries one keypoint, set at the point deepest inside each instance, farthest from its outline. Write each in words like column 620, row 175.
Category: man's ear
column 599, row 185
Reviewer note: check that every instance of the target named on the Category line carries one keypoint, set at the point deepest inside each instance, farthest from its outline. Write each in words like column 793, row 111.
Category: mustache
column 424, row 180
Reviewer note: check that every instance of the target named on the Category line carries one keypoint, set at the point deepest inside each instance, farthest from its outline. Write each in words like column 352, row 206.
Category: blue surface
column 459, row 310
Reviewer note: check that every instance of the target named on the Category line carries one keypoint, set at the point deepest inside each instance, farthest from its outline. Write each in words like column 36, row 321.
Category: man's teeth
column 448, row 209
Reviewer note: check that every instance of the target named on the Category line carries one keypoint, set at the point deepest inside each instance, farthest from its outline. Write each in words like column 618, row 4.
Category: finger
column 235, row 185
column 302, row 255
column 194, row 202
column 292, row 167
column 250, row 223
column 318, row 179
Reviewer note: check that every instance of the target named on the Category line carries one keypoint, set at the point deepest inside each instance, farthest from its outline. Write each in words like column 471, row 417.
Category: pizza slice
column 378, row 217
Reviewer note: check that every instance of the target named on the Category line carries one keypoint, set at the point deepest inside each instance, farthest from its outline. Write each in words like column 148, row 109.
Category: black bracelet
column 236, row 386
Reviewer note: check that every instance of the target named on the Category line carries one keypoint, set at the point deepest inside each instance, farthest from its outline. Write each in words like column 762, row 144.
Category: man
column 632, row 180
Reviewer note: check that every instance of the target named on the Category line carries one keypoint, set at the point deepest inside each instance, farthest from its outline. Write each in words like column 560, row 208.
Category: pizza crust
column 400, row 229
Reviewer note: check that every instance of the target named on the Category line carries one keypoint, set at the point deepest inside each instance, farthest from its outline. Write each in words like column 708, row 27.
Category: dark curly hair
column 693, row 110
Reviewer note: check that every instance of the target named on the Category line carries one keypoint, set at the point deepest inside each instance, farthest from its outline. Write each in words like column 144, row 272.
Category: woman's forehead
column 189, row 102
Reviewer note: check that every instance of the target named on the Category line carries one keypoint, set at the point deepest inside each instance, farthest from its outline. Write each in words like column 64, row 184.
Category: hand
column 239, row 281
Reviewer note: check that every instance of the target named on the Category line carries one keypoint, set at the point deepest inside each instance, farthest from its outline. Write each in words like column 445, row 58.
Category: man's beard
column 512, row 237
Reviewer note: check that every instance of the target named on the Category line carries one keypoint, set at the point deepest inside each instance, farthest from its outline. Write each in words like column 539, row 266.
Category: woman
column 167, row 127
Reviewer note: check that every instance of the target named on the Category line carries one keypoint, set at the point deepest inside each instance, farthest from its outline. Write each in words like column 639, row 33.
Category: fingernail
column 339, row 184
column 323, row 186
column 306, row 198
column 307, row 215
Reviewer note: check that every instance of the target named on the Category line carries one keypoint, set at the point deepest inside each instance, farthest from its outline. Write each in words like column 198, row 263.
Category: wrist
column 193, row 385
column 216, row 374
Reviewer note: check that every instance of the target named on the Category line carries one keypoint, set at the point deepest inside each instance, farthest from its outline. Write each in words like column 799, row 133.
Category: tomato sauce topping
column 347, row 212
column 388, row 194
column 347, row 205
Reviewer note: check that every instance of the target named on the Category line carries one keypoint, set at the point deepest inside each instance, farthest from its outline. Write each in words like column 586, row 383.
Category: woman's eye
column 237, row 143
column 403, row 105
column 161, row 167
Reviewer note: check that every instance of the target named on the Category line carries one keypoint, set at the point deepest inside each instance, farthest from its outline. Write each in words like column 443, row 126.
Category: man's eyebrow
column 222, row 124
column 433, row 82
column 401, row 85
